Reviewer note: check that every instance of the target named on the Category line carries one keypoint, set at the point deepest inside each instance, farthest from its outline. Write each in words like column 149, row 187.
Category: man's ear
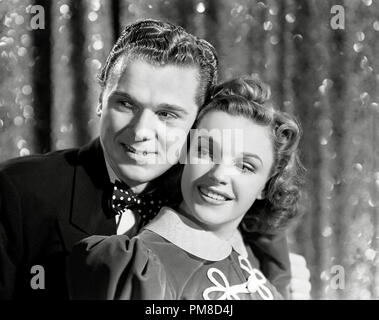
column 99, row 108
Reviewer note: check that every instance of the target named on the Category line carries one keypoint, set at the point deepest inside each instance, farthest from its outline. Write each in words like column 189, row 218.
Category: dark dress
column 170, row 259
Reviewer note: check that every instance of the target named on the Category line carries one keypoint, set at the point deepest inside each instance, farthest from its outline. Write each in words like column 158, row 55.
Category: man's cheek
column 120, row 125
column 117, row 119
column 107, row 120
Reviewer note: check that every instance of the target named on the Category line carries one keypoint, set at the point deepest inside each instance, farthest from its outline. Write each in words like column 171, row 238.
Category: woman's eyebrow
column 212, row 144
column 208, row 138
column 252, row 155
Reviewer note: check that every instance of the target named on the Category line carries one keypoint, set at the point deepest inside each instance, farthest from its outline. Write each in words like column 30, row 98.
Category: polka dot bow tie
column 147, row 205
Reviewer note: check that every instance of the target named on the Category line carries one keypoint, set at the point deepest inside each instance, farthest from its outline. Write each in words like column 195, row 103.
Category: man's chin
column 141, row 174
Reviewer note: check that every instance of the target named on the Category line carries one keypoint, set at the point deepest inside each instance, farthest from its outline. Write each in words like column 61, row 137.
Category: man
column 154, row 82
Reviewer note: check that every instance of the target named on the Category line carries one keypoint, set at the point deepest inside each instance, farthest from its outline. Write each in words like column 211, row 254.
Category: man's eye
column 127, row 105
column 165, row 115
column 122, row 105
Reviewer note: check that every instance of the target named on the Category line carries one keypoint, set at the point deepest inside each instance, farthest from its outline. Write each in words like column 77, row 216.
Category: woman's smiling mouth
column 213, row 196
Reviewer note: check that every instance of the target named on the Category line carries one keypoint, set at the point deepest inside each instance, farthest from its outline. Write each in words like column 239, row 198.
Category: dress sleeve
column 114, row 268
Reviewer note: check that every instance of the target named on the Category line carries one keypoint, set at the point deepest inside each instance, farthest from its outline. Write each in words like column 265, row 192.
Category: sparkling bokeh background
column 328, row 78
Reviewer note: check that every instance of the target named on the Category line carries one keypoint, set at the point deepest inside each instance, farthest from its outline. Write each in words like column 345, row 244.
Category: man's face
column 143, row 107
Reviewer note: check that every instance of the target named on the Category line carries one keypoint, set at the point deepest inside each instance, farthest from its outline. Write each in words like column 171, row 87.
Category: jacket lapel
column 90, row 213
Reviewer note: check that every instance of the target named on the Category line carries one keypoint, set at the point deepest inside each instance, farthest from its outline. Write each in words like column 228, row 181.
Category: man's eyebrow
column 173, row 107
column 252, row 155
column 125, row 96
column 167, row 106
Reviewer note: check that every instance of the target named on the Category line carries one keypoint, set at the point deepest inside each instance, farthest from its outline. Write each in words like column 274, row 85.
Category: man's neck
column 138, row 188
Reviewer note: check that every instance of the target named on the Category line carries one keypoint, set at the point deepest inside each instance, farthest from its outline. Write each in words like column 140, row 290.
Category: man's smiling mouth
column 130, row 149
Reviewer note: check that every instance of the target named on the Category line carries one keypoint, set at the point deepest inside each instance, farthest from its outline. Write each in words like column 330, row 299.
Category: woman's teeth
column 212, row 194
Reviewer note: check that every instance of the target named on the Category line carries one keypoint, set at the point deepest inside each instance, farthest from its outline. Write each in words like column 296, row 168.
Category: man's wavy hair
column 161, row 43
column 249, row 97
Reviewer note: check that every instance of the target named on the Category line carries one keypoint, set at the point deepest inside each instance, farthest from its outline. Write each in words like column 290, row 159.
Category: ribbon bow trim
column 255, row 283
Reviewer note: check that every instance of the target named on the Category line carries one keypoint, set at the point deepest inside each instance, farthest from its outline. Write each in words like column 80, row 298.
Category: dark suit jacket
column 50, row 202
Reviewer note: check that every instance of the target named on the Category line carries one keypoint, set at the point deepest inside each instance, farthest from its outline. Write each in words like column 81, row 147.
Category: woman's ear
column 261, row 195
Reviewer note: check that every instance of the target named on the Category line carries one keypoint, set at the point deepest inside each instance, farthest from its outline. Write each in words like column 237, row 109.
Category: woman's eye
column 246, row 167
column 203, row 153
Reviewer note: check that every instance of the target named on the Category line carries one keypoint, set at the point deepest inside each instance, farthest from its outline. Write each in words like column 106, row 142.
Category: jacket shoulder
column 40, row 168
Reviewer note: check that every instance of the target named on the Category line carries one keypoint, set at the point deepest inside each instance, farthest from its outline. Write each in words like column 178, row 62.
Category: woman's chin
column 209, row 218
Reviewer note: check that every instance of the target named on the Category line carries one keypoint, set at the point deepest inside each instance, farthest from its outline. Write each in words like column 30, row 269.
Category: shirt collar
column 204, row 244
column 111, row 174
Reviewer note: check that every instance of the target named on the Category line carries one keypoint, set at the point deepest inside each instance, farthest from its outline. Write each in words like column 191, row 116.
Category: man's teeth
column 130, row 149
column 212, row 195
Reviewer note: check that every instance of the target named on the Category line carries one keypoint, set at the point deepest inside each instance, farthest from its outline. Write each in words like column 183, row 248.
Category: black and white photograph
column 189, row 150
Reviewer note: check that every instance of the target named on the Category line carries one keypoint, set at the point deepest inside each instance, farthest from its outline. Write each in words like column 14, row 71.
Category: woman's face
column 229, row 163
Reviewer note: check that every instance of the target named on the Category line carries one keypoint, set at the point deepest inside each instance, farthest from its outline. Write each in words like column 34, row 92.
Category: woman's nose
column 220, row 173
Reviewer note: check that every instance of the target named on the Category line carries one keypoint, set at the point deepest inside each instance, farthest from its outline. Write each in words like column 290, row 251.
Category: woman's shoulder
column 117, row 249
column 102, row 267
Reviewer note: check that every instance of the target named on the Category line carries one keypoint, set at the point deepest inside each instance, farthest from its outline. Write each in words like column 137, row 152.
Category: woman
column 243, row 153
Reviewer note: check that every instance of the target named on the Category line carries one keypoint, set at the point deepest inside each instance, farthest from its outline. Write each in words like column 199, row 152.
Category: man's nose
column 144, row 126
